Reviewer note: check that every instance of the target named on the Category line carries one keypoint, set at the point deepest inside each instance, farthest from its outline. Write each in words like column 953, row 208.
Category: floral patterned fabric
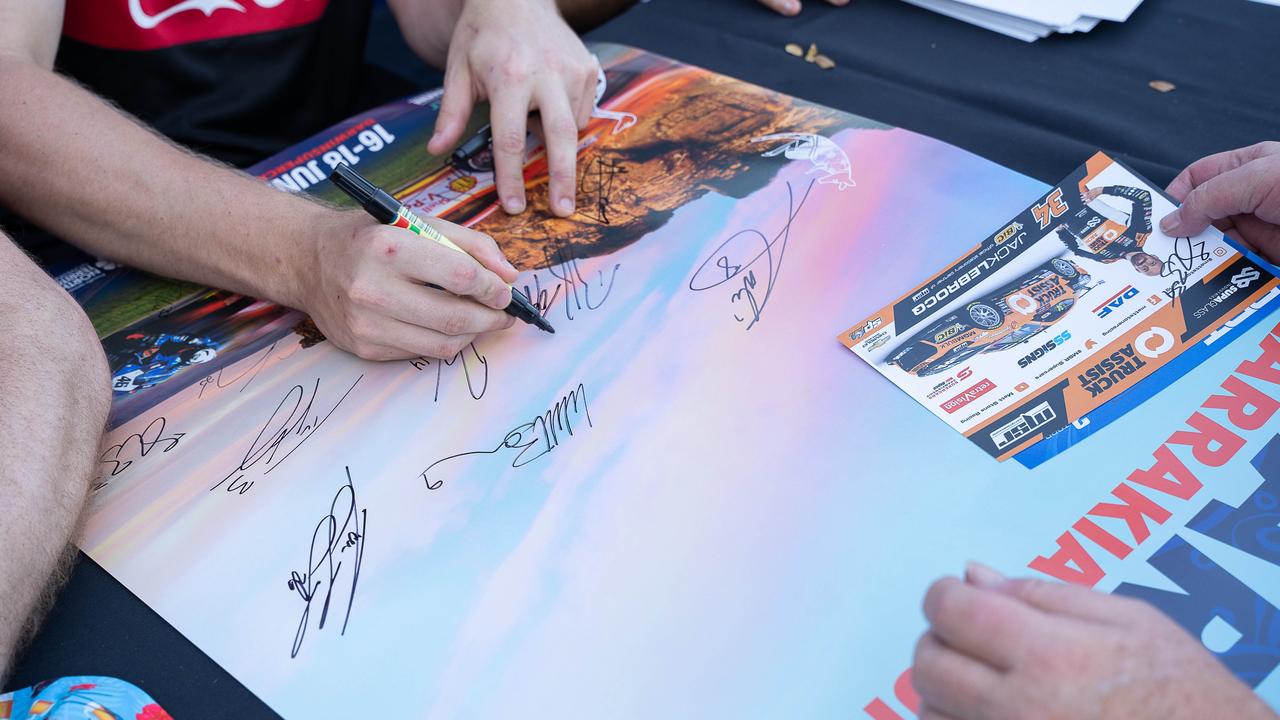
column 96, row 698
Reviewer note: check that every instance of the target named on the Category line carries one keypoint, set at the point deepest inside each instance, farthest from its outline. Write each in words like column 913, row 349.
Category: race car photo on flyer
column 1063, row 309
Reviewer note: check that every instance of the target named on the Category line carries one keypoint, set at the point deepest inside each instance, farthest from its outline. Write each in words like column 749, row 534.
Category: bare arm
column 427, row 26
column 101, row 180
column 54, row 396
column 93, row 175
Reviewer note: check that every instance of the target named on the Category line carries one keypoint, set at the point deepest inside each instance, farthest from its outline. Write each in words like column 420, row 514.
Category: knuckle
column 513, row 72
column 551, row 59
column 501, row 297
column 463, row 276
column 455, row 322
column 494, row 319
column 922, row 665
column 1192, row 200
column 938, row 599
column 1032, row 590
column 564, row 125
column 446, row 348
column 510, row 142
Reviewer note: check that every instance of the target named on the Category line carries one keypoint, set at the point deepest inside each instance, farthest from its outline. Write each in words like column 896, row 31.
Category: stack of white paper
column 1031, row 20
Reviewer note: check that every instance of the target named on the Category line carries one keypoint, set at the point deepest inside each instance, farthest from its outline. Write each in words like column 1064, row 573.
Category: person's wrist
column 323, row 231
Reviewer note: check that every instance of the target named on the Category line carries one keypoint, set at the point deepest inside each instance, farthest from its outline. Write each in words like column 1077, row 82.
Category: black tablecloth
column 1038, row 108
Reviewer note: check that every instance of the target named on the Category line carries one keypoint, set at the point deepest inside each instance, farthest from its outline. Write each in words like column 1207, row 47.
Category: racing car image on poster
column 1010, row 316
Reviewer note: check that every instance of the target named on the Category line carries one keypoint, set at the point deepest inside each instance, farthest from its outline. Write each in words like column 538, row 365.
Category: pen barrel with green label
column 386, row 209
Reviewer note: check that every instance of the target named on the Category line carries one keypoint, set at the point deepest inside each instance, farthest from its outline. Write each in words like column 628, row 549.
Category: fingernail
column 507, row 264
column 565, row 205
column 1171, row 221
column 513, row 205
column 980, row 575
column 793, row 6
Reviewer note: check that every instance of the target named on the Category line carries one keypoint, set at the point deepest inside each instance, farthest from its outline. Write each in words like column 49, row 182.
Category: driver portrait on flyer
column 1089, row 233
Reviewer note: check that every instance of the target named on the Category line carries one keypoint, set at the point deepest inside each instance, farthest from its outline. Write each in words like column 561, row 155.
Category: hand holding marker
column 386, row 209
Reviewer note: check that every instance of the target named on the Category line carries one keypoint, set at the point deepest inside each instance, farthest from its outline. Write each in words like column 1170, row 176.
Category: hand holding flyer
column 1068, row 306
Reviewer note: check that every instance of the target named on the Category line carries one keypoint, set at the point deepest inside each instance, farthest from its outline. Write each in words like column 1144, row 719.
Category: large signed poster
column 691, row 501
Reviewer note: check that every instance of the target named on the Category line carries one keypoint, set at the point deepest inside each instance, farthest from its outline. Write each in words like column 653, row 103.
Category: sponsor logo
column 872, row 324
column 147, row 21
column 1115, row 302
column 1090, row 344
column 1007, row 233
column 1113, row 370
column 948, row 333
column 1245, row 277
column 964, row 374
column 1043, row 350
column 155, row 24
column 876, row 342
column 1023, row 425
column 942, row 387
column 79, row 276
column 1154, row 342
column 1240, row 281
column 956, row 403
column 1022, row 303
column 463, row 184
column 1022, row 387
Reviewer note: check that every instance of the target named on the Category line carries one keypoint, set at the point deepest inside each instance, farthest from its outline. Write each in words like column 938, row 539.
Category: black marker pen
column 386, row 209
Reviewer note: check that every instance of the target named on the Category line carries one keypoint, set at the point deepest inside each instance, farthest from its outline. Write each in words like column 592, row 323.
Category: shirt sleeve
column 1140, row 220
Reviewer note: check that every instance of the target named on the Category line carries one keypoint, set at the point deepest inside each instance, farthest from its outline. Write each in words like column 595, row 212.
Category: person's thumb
column 1228, row 194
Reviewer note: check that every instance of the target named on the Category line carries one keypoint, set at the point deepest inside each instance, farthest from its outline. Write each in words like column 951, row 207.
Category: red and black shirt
column 234, row 79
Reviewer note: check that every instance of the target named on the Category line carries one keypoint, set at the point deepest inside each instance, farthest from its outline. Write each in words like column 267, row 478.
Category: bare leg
column 54, row 398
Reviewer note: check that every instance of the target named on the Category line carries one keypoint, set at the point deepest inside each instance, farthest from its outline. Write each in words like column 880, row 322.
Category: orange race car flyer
column 1049, row 326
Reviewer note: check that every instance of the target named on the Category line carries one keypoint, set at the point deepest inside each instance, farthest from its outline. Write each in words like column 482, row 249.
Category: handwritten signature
column 465, row 360
column 251, row 372
column 342, row 530
column 596, row 187
column 288, row 427
column 1182, row 264
column 737, row 259
column 124, row 454
column 539, row 436
column 579, row 293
